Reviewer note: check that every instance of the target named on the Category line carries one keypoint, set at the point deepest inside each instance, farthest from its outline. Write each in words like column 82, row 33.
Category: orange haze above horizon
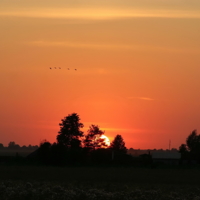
column 138, row 66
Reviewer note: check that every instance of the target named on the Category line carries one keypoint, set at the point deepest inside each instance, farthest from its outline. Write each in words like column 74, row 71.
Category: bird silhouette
column 59, row 68
column 75, row 69
column 49, row 67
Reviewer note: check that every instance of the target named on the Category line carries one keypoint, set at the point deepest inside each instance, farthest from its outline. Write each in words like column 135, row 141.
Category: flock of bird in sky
column 59, row 68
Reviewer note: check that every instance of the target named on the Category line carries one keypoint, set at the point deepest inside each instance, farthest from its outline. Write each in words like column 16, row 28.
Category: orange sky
column 138, row 66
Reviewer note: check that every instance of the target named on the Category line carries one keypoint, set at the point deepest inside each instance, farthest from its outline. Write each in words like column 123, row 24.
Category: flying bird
column 49, row 67
column 75, row 69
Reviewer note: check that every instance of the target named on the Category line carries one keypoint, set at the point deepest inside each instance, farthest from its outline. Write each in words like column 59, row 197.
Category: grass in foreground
column 40, row 182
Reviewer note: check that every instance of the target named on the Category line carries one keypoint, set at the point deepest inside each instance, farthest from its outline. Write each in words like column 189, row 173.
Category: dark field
column 13, row 152
column 40, row 182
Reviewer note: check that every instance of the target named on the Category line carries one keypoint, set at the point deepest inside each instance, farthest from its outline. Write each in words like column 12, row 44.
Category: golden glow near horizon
column 137, row 69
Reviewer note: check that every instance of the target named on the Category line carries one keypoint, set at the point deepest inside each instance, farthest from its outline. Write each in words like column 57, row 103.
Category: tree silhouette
column 70, row 134
column 43, row 152
column 183, row 148
column 13, row 145
column 192, row 146
column 184, row 151
column 193, row 142
column 93, row 139
column 118, row 144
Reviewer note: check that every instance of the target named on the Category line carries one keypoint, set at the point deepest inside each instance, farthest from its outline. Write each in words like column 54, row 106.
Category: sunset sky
column 137, row 61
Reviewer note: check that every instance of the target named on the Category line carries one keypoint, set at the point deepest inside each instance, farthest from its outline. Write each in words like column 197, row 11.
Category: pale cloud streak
column 116, row 47
column 142, row 98
column 78, row 45
column 99, row 14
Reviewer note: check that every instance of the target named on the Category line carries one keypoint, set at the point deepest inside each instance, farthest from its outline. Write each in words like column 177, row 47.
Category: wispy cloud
column 89, row 45
column 142, row 98
column 77, row 45
column 107, row 46
column 146, row 98
column 99, row 14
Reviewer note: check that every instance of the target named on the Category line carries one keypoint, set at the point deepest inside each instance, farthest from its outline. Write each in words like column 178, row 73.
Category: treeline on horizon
column 73, row 146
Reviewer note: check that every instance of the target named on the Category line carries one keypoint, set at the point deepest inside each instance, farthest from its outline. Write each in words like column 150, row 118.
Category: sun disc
column 106, row 140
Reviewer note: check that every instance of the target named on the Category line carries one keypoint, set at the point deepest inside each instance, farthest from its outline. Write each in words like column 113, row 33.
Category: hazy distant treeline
column 14, row 146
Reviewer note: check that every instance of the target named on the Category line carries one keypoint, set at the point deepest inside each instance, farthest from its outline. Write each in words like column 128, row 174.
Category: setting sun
column 106, row 140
